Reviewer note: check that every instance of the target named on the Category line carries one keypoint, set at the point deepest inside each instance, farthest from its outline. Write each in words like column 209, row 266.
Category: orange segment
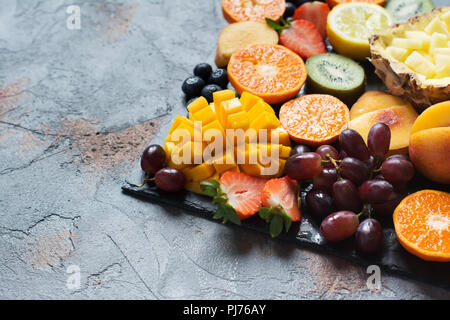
column 269, row 71
column 422, row 224
column 314, row 119
column 333, row 3
column 252, row 10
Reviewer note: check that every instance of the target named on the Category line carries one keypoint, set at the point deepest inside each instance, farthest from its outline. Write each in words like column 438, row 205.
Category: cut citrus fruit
column 269, row 71
column 350, row 25
column 333, row 3
column 314, row 119
column 422, row 224
column 251, row 10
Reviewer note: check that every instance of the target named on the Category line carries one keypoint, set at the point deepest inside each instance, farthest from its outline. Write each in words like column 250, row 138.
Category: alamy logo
column 73, row 21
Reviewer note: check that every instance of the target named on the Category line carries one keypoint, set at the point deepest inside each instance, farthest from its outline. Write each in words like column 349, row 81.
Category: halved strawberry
column 237, row 194
column 315, row 12
column 280, row 204
column 301, row 36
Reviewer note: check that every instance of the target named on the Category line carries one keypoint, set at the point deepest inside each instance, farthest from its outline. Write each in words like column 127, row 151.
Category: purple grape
column 339, row 226
column 326, row 150
column 353, row 144
column 153, row 158
column 325, row 180
column 354, row 170
column 379, row 139
column 375, row 191
column 369, row 236
column 388, row 207
column 345, row 195
column 170, row 179
column 397, row 170
column 303, row 165
column 320, row 203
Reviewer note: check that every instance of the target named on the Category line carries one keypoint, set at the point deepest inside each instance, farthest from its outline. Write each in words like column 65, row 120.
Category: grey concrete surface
column 76, row 109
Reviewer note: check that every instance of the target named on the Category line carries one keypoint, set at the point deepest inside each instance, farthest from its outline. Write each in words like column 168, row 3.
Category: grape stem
column 146, row 179
column 335, row 164
column 366, row 209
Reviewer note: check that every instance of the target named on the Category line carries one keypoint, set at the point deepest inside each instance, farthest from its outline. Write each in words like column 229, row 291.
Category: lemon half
column 350, row 25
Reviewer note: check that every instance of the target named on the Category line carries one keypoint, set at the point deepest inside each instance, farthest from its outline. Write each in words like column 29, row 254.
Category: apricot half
column 400, row 120
column 429, row 146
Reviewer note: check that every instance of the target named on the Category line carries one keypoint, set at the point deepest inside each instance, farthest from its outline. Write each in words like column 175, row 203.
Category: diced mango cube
column 269, row 108
column 265, row 120
column 197, row 105
column 205, row 115
column 258, row 108
column 238, row 120
column 283, row 136
column 224, row 163
column 182, row 132
column 199, row 172
column 178, row 121
column 214, row 125
column 220, row 96
column 248, row 100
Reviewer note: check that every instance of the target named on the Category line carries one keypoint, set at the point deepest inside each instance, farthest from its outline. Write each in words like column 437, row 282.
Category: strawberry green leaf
column 276, row 217
column 274, row 25
column 231, row 214
column 276, row 226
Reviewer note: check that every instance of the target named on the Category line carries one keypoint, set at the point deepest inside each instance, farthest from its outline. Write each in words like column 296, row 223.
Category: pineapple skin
column 401, row 81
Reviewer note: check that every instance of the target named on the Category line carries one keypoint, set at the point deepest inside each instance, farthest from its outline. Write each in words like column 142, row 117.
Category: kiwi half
column 402, row 10
column 336, row 75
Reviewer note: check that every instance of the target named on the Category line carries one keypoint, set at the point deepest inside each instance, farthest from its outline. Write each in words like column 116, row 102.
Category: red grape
column 303, row 165
column 343, row 155
column 300, row 148
column 369, row 236
column 325, row 180
column 170, row 179
column 345, row 196
column 339, row 226
column 354, row 170
column 153, row 158
column 320, row 203
column 325, row 150
column 371, row 163
column 388, row 207
column 375, row 191
column 353, row 144
column 397, row 170
column 399, row 156
column 379, row 139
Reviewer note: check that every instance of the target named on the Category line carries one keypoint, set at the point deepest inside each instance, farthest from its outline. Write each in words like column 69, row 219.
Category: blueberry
column 203, row 70
column 290, row 9
column 219, row 77
column 208, row 90
column 192, row 86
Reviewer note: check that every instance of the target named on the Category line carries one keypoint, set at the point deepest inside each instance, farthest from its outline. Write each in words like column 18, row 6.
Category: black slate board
column 393, row 258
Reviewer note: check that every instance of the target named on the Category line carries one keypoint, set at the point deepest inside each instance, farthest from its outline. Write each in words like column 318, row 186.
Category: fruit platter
column 324, row 124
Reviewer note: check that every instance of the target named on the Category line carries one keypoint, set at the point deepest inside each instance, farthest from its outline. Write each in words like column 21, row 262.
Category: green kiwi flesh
column 402, row 10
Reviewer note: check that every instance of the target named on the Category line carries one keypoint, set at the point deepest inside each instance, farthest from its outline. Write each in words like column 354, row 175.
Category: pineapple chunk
column 438, row 40
column 420, row 64
column 397, row 53
column 436, row 25
column 421, row 36
column 442, row 65
column 445, row 51
column 415, row 44
column 446, row 18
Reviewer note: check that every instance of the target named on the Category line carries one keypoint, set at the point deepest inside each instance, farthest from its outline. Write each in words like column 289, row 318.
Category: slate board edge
column 191, row 207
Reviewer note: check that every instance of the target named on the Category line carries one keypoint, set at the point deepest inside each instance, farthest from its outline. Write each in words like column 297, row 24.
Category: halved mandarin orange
column 314, row 119
column 333, row 3
column 422, row 224
column 252, row 10
column 269, row 71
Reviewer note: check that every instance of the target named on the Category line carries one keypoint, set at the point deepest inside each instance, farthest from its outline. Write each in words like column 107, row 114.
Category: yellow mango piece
column 265, row 120
column 205, row 115
column 252, row 169
column 228, row 107
column 269, row 108
column 181, row 131
column 258, row 108
column 214, row 125
column 178, row 121
column 179, row 166
column 224, row 163
column 247, row 153
column 238, row 120
column 194, row 186
column 199, row 172
column 283, row 136
column 248, row 100
column 220, row 96
column 197, row 105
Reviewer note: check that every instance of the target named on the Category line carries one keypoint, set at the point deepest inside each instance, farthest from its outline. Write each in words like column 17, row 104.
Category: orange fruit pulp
column 270, row 71
column 422, row 224
column 314, row 119
column 252, row 10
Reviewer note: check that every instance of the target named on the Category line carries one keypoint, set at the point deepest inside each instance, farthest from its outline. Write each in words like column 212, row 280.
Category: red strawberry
column 315, row 12
column 237, row 194
column 301, row 36
column 304, row 38
column 243, row 192
column 282, row 193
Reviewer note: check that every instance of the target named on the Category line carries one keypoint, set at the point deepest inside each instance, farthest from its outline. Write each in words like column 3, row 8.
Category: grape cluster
column 167, row 179
column 354, row 183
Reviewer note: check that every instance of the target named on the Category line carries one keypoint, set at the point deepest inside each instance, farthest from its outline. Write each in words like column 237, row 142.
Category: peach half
column 429, row 146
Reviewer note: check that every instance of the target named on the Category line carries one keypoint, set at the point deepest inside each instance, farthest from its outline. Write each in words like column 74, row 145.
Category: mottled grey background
column 76, row 109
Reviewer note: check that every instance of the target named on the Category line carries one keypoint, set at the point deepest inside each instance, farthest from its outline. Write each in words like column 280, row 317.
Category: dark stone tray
column 393, row 258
